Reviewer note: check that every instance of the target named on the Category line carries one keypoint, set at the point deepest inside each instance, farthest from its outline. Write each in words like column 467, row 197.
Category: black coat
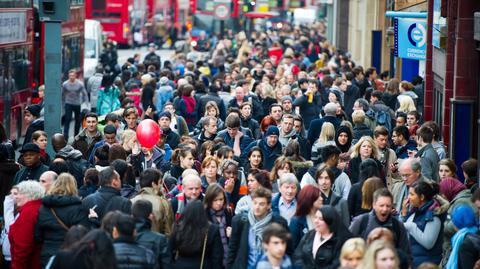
column 360, row 130
column 469, row 251
column 238, row 245
column 154, row 241
column 327, row 256
column 213, row 253
column 211, row 96
column 309, row 111
column 131, row 255
column 8, row 169
column 316, row 127
column 49, row 230
column 107, row 199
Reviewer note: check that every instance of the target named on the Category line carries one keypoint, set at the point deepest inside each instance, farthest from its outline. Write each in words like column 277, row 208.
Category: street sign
column 222, row 11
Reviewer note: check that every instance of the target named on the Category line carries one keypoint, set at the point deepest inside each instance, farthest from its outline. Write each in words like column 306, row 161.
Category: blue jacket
column 298, row 228
column 420, row 254
column 402, row 151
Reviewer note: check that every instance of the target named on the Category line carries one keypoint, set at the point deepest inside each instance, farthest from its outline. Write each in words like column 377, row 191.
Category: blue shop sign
column 410, row 38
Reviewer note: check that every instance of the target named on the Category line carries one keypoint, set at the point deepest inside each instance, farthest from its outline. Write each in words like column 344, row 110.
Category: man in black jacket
column 315, row 128
column 246, row 239
column 107, row 198
column 128, row 253
column 142, row 211
column 33, row 168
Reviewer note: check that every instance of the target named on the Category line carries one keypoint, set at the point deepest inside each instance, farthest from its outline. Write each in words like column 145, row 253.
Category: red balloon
column 148, row 133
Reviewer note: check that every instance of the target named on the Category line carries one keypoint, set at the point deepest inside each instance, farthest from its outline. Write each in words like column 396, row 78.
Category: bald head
column 58, row 142
column 47, row 179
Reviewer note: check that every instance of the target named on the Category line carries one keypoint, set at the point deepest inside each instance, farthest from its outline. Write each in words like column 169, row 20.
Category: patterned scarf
column 222, row 224
column 258, row 226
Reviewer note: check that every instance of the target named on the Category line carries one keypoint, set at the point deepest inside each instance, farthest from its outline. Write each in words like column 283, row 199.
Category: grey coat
column 429, row 162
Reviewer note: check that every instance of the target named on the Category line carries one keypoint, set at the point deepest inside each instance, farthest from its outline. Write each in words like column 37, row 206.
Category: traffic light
column 54, row 10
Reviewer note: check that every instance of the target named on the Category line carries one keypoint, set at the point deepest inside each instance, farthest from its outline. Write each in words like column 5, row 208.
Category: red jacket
column 25, row 251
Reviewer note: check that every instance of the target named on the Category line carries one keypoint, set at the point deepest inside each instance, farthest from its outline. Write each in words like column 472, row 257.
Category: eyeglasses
column 405, row 175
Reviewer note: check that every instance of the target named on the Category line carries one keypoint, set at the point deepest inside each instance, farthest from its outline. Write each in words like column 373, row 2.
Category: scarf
column 222, row 224
column 43, row 153
column 457, row 240
column 258, row 226
column 190, row 103
column 450, row 187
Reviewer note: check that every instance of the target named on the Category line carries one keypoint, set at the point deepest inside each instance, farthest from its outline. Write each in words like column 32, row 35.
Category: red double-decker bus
column 72, row 43
column 22, row 61
column 16, row 58
column 120, row 19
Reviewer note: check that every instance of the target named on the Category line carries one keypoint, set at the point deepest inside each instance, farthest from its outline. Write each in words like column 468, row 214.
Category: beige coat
column 162, row 210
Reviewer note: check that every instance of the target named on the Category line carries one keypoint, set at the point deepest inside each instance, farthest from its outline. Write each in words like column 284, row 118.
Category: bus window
column 15, row 3
column 14, row 69
column 71, row 54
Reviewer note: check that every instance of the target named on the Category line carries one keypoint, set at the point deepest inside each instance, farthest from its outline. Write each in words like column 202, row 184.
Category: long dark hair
column 368, row 168
column 335, row 225
column 95, row 251
column 189, row 233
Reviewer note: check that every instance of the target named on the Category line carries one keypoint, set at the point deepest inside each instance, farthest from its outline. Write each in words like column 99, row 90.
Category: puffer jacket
column 154, row 241
column 416, row 222
column 49, row 230
column 131, row 255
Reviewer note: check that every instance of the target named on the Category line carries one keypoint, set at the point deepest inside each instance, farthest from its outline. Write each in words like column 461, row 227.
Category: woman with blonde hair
column 60, row 210
column 364, row 149
column 327, row 137
column 352, row 253
column 380, row 255
column 406, row 104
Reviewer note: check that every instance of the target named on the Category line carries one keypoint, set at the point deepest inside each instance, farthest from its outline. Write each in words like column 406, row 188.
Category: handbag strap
column 64, row 226
column 203, row 250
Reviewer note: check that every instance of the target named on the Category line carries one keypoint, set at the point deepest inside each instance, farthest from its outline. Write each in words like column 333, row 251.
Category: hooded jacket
column 49, row 231
column 270, row 154
column 425, row 227
column 75, row 162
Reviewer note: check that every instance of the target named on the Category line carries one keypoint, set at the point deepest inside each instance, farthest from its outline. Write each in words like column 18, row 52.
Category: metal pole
column 53, row 84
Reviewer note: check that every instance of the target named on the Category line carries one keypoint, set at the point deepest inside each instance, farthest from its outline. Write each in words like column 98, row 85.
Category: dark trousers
column 69, row 110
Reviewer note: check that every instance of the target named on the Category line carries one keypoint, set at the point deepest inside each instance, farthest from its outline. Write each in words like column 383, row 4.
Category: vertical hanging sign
column 410, row 38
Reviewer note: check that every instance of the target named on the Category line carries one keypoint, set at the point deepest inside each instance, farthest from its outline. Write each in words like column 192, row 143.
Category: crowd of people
column 302, row 159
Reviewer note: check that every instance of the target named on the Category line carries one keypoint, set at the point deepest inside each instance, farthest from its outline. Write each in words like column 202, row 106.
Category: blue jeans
column 69, row 110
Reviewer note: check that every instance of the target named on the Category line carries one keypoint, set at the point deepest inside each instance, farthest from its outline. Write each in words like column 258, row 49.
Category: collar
column 283, row 202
